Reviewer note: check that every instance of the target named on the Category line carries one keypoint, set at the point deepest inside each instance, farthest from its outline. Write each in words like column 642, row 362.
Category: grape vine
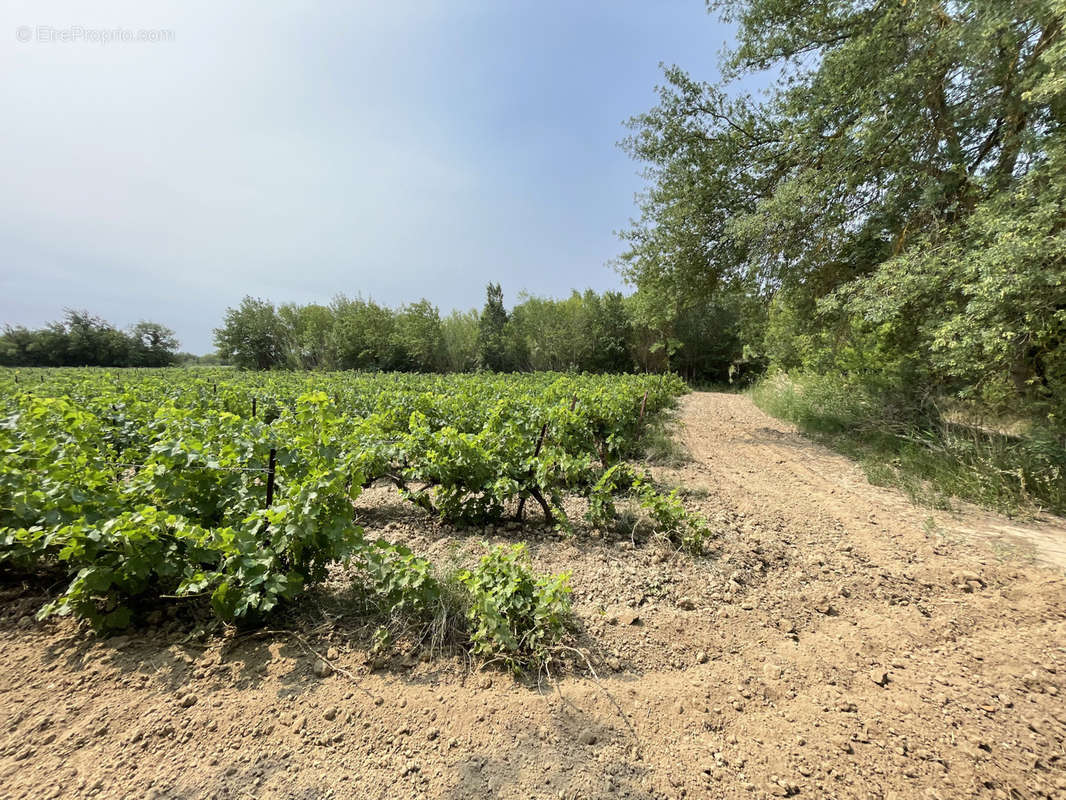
column 155, row 483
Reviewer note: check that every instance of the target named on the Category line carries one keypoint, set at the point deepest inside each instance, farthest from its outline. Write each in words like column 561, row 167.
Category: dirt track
column 838, row 642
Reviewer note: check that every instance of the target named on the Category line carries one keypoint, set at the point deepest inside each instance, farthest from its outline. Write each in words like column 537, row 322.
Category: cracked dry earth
column 835, row 642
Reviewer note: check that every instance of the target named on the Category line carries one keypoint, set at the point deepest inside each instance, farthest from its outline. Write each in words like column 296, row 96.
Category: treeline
column 895, row 201
column 584, row 332
column 83, row 340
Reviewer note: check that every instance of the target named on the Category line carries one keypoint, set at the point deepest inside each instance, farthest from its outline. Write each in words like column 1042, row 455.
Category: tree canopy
column 895, row 201
column 83, row 340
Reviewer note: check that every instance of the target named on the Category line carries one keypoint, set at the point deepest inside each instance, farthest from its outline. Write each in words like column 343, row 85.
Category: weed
column 918, row 451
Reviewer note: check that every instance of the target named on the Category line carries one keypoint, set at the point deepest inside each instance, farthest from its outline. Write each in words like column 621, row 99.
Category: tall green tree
column 610, row 330
column 82, row 339
column 420, row 336
column 307, row 335
column 252, row 336
column 901, row 169
column 459, row 341
column 154, row 345
column 493, row 351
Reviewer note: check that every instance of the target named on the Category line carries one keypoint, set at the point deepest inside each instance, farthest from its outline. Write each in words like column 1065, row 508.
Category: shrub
column 515, row 615
column 402, row 581
column 672, row 521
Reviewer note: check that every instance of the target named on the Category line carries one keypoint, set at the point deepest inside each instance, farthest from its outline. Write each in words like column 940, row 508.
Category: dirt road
column 836, row 642
column 756, row 460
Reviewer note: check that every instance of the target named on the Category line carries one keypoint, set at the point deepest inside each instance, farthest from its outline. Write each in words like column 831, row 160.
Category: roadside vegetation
column 1004, row 464
column 888, row 222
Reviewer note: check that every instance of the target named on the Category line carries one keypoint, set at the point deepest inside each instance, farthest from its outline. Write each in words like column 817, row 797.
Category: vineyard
column 239, row 489
column 385, row 608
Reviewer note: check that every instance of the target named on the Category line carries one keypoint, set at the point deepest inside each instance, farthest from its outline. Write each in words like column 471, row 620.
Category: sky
column 296, row 151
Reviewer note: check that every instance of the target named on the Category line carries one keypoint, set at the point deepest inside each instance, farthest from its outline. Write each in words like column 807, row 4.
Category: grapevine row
column 154, row 483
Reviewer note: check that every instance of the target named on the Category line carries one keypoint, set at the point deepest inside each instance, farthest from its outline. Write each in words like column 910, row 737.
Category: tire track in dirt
column 731, row 437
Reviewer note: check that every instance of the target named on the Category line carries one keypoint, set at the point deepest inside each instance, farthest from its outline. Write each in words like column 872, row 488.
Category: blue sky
column 295, row 151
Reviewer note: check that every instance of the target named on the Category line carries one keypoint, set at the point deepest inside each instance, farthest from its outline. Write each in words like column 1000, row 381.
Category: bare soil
column 836, row 642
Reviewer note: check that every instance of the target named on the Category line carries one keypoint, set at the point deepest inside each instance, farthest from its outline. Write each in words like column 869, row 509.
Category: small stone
column 772, row 672
column 879, row 676
column 330, row 713
column 701, row 657
column 588, row 736
column 322, row 669
column 189, row 700
column 432, row 734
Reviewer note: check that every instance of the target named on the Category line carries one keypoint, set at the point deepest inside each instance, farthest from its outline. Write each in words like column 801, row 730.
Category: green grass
column 932, row 461
column 660, row 441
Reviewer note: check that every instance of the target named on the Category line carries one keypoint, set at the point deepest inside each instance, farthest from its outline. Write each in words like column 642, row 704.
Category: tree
column 868, row 191
column 92, row 341
column 364, row 335
column 419, row 336
column 493, row 350
column 307, row 335
column 85, row 340
column 610, row 330
column 252, row 335
column 17, row 347
column 459, row 341
column 155, row 345
column 547, row 333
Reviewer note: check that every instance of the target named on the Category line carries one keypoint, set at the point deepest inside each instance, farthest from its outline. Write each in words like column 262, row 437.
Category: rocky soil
column 836, row 642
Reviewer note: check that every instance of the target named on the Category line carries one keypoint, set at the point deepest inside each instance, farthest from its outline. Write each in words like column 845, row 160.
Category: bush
column 672, row 521
column 500, row 610
column 515, row 615
column 401, row 581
